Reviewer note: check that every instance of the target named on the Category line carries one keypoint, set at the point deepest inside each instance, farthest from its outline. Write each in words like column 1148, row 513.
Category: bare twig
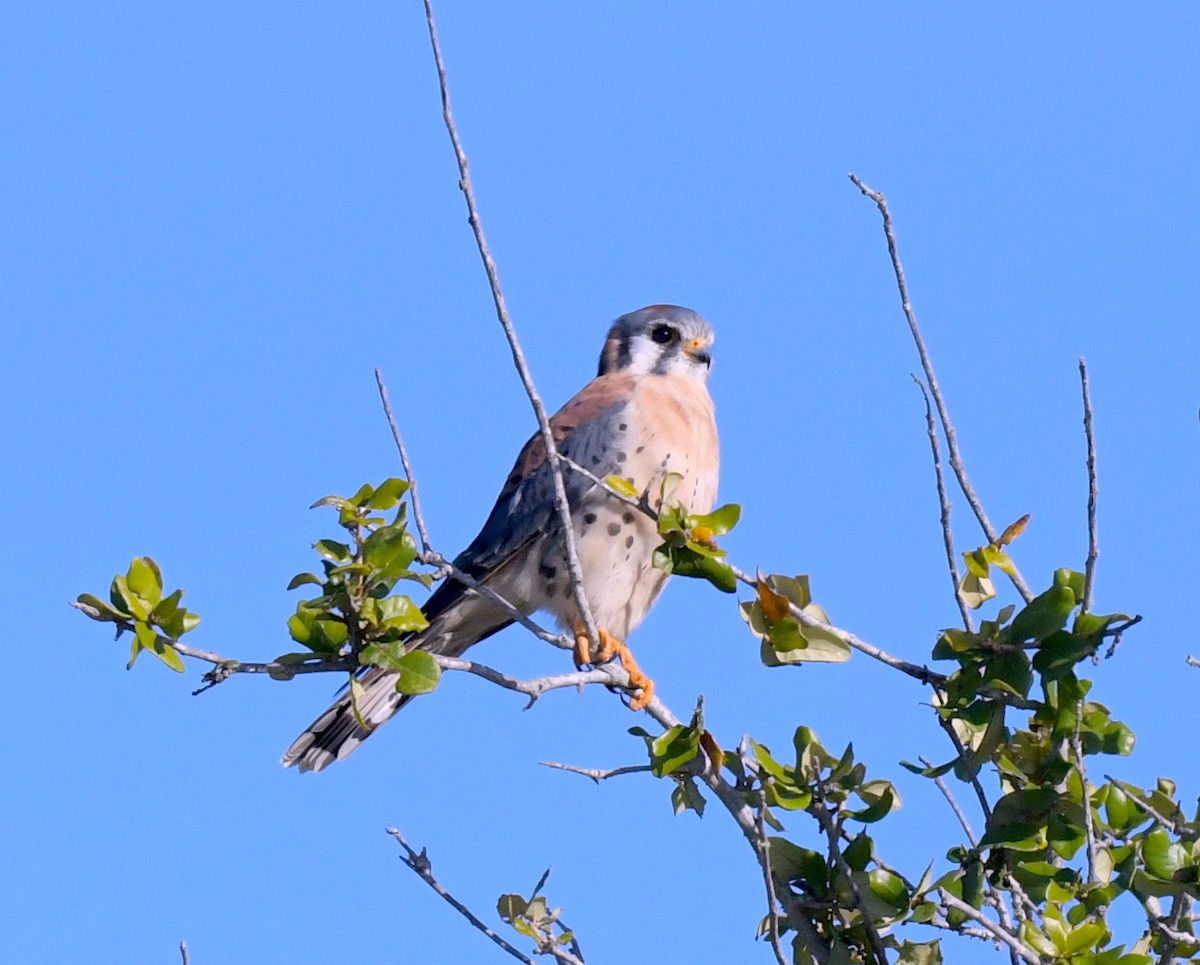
column 413, row 495
column 954, row 806
column 972, row 772
column 419, row 863
column 1088, row 825
column 956, row 462
column 607, row 675
column 818, row 810
column 561, row 641
column 1168, row 928
column 596, row 774
column 1009, row 939
column 764, row 859
column 489, row 266
column 944, row 503
column 183, row 953
column 1192, row 661
column 1089, row 573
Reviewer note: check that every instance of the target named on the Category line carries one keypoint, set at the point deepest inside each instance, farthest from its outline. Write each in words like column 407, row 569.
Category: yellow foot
column 611, row 647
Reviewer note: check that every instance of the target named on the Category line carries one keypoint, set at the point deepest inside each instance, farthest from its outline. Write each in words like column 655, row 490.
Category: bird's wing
column 525, row 509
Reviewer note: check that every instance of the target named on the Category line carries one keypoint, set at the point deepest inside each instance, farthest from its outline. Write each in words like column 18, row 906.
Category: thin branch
column 1169, row 930
column 183, row 953
column 1088, row 825
column 1192, row 661
column 419, row 863
column 956, row 462
column 1089, row 573
column 944, row 503
column 764, row 847
column 606, row 675
column 972, row 773
column 489, row 266
column 596, row 774
column 1018, row 946
column 413, row 495
column 821, row 813
column 561, row 641
column 954, row 806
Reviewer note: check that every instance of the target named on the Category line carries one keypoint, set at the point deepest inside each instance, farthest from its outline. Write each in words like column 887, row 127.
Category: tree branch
column 1088, row 825
column 1012, row 941
column 596, row 774
column 764, row 849
column 944, row 503
column 818, row 810
column 954, row 806
column 419, row 863
column 489, row 266
column 956, row 462
column 1089, row 574
column 183, row 953
column 413, row 495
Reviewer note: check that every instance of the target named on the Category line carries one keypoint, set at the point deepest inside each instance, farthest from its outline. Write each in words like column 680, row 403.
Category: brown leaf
column 1015, row 530
column 775, row 606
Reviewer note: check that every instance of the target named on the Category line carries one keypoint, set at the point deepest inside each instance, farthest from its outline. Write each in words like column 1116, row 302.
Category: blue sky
column 219, row 218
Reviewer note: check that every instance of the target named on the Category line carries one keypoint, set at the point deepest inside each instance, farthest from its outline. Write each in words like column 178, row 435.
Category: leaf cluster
column 136, row 603
column 355, row 611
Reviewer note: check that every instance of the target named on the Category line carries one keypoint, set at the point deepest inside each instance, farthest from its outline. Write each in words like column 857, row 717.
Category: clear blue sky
column 218, row 218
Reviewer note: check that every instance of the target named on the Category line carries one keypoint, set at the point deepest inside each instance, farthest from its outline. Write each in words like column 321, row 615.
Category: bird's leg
column 611, row 647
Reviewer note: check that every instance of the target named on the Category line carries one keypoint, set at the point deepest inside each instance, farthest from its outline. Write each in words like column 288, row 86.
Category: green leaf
column 931, row 772
column 143, row 639
column 300, row 579
column 888, row 888
column 419, row 673
column 145, row 579
column 881, row 799
column 332, row 550
column 510, row 907
column 357, row 693
column 793, row 863
column 124, row 598
column 810, row 755
column 685, row 796
column 672, row 749
column 387, row 494
column 686, row 561
column 721, row 520
column 388, row 552
column 622, row 485
column 1120, row 811
column 920, row 953
column 859, row 851
column 107, row 613
column 384, row 655
column 1045, row 614
column 1164, row 858
column 311, row 628
column 401, row 614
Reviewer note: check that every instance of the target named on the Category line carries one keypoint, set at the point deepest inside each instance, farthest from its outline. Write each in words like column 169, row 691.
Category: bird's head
column 659, row 340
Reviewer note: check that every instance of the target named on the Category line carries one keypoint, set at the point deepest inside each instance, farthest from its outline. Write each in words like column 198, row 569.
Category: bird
column 647, row 413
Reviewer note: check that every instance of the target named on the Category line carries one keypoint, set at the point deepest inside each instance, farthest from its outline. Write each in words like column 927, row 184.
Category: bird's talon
column 610, row 648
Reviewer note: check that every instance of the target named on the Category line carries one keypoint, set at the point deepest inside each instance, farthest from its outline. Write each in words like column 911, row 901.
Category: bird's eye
column 663, row 334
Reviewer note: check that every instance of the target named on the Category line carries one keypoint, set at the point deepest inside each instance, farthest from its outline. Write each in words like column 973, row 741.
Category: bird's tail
column 457, row 620
column 337, row 732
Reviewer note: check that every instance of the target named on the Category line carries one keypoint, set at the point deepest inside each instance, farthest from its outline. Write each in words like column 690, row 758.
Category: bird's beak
column 700, row 350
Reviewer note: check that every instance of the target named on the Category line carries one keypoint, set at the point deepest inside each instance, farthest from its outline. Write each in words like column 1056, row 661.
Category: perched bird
column 647, row 413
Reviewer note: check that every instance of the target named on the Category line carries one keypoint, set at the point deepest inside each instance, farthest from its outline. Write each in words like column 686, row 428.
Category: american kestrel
column 645, row 414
